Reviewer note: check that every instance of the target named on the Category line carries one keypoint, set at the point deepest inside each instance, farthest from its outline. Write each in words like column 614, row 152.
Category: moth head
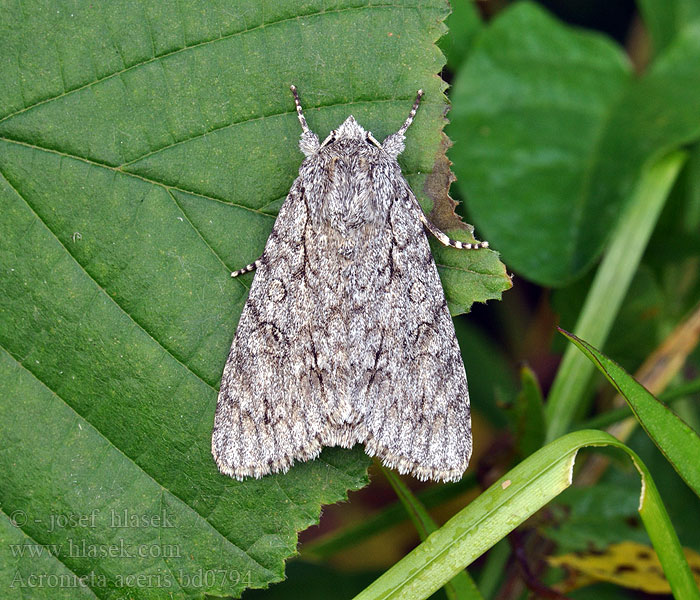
column 350, row 129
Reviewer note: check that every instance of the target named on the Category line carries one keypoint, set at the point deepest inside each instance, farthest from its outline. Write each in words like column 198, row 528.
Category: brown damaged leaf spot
column 437, row 188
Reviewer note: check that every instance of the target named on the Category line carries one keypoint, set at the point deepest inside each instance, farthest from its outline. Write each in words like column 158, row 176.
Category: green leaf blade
column 610, row 286
column 512, row 94
column 666, row 18
column 551, row 134
column 529, row 416
column 462, row 586
column 676, row 440
column 91, row 457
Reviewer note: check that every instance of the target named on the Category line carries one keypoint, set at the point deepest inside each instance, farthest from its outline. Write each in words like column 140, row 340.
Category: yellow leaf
column 627, row 564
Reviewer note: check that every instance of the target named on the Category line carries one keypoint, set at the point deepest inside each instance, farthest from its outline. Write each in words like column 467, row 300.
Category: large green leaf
column 551, row 133
column 144, row 150
column 665, row 18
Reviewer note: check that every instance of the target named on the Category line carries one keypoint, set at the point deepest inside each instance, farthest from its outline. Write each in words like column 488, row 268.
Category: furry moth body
column 346, row 336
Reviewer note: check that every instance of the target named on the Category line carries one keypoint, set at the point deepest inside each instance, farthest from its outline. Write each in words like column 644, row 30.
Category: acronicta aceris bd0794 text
column 346, row 336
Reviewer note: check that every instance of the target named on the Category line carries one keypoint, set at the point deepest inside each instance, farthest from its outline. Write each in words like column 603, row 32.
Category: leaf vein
column 101, row 289
column 201, row 237
column 58, row 558
column 185, row 48
column 406, row 100
column 139, row 467
column 129, row 174
column 260, row 211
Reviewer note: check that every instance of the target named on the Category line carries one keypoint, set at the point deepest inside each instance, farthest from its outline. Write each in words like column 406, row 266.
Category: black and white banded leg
column 445, row 240
column 248, row 268
column 441, row 237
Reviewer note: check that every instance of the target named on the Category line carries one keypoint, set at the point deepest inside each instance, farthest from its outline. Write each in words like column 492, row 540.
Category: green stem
column 328, row 546
column 492, row 573
column 609, row 288
column 509, row 502
column 461, row 586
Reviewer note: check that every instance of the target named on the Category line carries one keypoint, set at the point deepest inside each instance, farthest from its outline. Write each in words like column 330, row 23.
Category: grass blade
column 329, row 545
column 461, row 586
column 609, row 288
column 676, row 440
column 507, row 504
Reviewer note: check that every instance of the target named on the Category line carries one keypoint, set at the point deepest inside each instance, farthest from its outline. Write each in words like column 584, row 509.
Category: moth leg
column 247, row 268
column 309, row 140
column 448, row 241
column 394, row 145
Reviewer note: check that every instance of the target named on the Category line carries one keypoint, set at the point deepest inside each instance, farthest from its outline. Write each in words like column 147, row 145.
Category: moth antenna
column 394, row 145
column 411, row 115
column 300, row 114
column 309, row 140
column 446, row 240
